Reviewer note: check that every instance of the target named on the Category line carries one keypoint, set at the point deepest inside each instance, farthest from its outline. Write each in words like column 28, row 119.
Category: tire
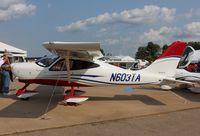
column 25, row 99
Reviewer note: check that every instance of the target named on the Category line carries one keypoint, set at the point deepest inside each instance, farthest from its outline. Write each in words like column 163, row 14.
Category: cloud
column 189, row 32
column 147, row 15
column 162, row 35
column 10, row 9
column 111, row 41
column 193, row 28
column 193, row 12
column 7, row 3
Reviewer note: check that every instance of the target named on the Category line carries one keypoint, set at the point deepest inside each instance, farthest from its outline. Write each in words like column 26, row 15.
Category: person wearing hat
column 6, row 74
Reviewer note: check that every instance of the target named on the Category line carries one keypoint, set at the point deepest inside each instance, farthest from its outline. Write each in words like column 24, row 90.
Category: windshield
column 46, row 61
column 186, row 58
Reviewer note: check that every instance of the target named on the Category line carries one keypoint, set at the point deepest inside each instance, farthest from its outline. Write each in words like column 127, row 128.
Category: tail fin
column 175, row 49
column 164, row 66
column 167, row 62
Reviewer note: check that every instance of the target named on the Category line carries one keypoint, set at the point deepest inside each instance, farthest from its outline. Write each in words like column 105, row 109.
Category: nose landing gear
column 25, row 94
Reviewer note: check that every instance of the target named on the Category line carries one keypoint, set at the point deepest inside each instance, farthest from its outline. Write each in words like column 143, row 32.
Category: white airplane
column 188, row 55
column 76, row 64
column 183, row 74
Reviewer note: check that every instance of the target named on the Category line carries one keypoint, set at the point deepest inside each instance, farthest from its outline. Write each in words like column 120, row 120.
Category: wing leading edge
column 83, row 50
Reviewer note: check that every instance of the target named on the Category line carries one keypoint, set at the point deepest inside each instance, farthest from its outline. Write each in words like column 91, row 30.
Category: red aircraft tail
column 175, row 49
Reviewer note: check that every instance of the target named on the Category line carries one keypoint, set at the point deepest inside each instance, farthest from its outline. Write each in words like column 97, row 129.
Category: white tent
column 123, row 59
column 15, row 52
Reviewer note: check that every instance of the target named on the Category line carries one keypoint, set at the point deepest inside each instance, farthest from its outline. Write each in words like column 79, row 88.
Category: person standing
column 1, row 63
column 6, row 74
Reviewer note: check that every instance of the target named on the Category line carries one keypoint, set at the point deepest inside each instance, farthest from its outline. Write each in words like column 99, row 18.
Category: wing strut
column 72, row 99
column 68, row 67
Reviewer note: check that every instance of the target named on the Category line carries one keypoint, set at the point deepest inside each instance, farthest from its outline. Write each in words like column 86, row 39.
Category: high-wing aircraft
column 76, row 64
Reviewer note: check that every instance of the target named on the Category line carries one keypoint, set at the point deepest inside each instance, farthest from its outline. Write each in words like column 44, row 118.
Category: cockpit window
column 186, row 58
column 46, row 61
column 73, row 64
column 59, row 66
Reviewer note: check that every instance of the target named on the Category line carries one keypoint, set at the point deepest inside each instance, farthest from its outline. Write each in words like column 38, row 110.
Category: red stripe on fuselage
column 52, row 82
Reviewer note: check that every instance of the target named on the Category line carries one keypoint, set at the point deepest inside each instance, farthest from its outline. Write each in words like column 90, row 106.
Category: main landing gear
column 69, row 99
column 72, row 99
column 25, row 94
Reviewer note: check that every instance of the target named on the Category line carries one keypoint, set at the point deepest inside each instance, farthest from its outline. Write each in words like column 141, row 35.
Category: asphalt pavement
column 109, row 111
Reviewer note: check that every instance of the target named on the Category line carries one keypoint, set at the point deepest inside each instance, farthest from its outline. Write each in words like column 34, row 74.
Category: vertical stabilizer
column 164, row 66
column 175, row 49
column 167, row 62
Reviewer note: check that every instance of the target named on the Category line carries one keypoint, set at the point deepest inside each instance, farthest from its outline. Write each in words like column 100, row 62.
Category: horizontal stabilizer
column 177, row 83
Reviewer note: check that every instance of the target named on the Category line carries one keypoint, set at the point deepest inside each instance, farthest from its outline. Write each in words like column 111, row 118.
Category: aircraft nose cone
column 14, row 69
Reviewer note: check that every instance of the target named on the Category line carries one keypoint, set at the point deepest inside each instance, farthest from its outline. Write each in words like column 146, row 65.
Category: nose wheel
column 25, row 99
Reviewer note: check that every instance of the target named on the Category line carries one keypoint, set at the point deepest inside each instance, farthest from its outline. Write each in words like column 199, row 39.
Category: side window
column 74, row 65
column 79, row 64
column 59, row 66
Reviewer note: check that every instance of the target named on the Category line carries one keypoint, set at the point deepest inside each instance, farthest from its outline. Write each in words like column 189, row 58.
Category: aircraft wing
column 178, row 83
column 82, row 50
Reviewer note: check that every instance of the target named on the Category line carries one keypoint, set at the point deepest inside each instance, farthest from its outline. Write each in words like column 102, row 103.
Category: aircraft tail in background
column 167, row 62
column 175, row 49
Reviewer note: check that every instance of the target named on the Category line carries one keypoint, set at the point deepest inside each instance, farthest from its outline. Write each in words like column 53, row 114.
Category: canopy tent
column 15, row 52
column 120, row 59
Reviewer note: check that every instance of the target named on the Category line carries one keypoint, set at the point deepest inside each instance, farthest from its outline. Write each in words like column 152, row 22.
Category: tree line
column 152, row 50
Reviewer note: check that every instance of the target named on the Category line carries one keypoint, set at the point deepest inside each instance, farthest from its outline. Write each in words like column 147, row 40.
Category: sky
column 121, row 26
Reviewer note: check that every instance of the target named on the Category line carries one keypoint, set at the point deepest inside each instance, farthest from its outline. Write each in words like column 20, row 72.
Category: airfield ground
column 109, row 111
